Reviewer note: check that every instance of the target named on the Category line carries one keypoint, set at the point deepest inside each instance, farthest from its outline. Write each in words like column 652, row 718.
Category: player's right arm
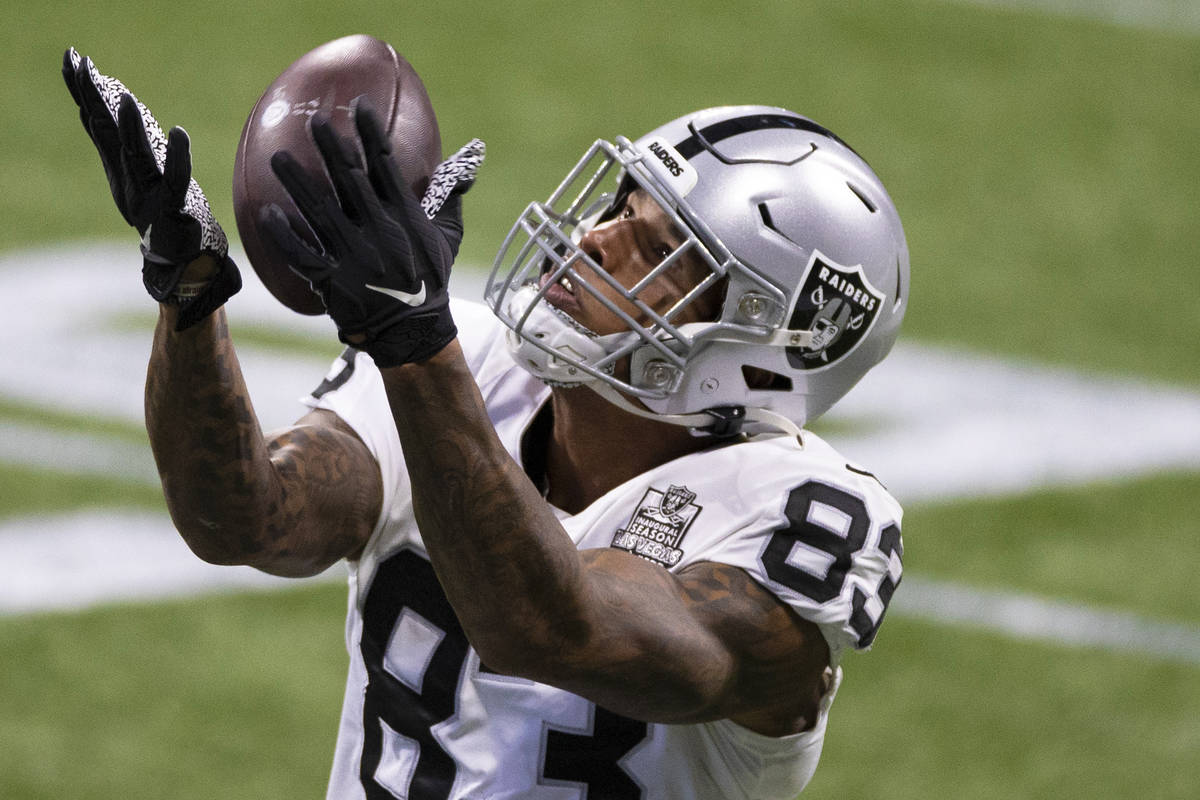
column 291, row 504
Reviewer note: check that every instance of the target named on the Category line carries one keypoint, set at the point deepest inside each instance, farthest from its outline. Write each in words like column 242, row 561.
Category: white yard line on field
column 69, row 451
column 86, row 558
column 90, row 557
column 936, row 425
column 1023, row 616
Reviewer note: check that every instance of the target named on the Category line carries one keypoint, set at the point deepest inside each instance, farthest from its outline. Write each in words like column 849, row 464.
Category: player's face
column 628, row 246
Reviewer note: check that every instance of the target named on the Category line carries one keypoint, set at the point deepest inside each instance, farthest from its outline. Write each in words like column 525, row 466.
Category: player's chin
column 598, row 319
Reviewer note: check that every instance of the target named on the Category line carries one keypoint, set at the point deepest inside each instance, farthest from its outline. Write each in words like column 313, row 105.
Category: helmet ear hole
column 761, row 379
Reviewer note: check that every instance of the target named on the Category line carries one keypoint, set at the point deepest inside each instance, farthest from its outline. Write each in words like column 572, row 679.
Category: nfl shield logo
column 838, row 305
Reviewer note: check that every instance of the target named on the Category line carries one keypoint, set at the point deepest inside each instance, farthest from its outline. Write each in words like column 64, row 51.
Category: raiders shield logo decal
column 658, row 525
column 838, row 305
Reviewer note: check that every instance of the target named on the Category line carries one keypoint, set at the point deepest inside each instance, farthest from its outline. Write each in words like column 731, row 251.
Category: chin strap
column 724, row 421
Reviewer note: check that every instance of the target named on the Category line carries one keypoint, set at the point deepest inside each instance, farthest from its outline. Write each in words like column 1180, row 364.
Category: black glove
column 384, row 259
column 149, row 175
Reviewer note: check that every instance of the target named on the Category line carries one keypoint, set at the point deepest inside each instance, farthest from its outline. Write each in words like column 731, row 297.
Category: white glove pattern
column 212, row 237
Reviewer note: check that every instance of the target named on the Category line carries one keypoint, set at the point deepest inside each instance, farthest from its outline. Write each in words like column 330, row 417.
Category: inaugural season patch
column 658, row 525
column 838, row 305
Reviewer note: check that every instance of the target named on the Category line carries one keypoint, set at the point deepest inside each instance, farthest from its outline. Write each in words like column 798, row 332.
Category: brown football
column 326, row 79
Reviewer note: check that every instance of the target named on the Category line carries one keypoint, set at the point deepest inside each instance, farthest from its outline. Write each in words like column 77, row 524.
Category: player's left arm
column 709, row 643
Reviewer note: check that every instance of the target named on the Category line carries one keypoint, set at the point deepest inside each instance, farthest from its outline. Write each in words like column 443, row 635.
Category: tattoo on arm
column 707, row 643
column 291, row 506
column 489, row 533
column 782, row 658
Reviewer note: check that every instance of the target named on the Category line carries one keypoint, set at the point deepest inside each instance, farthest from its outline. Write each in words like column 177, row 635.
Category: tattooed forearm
column 235, row 498
column 205, row 437
column 477, row 512
column 496, row 545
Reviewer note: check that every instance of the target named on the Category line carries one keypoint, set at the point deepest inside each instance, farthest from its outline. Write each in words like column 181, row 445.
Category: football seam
column 397, row 84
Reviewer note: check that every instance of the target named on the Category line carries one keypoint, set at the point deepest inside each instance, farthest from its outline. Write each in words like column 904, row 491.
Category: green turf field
column 1046, row 170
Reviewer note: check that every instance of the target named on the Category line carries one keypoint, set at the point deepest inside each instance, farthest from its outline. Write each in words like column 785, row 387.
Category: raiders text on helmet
column 793, row 226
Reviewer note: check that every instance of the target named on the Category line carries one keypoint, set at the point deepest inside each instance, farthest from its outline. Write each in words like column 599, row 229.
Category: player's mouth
column 561, row 293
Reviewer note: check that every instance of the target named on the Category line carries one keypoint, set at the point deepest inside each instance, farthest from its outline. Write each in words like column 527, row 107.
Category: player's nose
column 608, row 244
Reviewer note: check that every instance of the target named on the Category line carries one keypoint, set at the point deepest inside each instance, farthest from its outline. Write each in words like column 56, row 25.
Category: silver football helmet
column 796, row 232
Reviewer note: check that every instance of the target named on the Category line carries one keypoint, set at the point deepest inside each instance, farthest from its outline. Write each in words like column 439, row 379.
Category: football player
column 592, row 550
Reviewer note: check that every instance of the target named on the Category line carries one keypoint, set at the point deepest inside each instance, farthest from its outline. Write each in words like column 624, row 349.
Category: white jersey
column 424, row 719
